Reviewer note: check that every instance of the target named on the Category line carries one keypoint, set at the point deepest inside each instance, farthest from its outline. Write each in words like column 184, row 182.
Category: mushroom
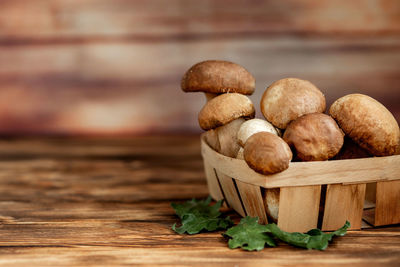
column 240, row 153
column 271, row 202
column 253, row 126
column 215, row 77
column 314, row 136
column 227, row 137
column 247, row 129
column 267, row 153
column 368, row 123
column 223, row 116
column 351, row 150
column 287, row 99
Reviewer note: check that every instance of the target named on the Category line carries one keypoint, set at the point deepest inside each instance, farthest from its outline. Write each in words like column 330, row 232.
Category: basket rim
column 348, row 171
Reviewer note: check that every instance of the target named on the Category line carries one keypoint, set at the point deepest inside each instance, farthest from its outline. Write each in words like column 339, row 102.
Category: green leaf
column 313, row 239
column 198, row 215
column 249, row 235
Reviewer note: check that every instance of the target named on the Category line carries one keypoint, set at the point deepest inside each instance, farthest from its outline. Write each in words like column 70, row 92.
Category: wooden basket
column 341, row 183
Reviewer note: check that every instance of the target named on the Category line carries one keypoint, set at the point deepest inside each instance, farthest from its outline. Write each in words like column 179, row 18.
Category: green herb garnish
column 249, row 235
column 313, row 239
column 198, row 215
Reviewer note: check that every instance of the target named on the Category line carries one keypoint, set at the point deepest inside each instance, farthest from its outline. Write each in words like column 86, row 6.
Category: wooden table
column 102, row 201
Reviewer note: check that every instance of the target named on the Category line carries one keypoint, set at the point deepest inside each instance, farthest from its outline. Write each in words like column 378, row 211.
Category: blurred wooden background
column 114, row 67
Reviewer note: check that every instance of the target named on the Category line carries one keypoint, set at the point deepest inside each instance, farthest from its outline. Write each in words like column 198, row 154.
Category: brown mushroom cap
column 314, row 137
column 267, row 153
column 216, row 76
column 287, row 99
column 224, row 109
column 368, row 123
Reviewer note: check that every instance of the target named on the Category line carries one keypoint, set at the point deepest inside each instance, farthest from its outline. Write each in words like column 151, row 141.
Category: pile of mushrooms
column 225, row 85
column 295, row 126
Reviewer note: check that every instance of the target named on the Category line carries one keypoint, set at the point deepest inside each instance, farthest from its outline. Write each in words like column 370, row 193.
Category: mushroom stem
column 224, row 138
column 211, row 137
column 271, row 201
column 254, row 126
column 227, row 137
column 240, row 154
column 210, row 96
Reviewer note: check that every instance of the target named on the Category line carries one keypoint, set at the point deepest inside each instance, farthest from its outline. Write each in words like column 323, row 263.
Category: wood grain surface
column 97, row 66
column 298, row 208
column 86, row 202
column 343, row 202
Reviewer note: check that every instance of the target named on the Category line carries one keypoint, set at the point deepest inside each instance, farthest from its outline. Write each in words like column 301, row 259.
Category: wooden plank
column 343, row 202
column 365, row 225
column 213, row 185
column 369, row 216
column 387, row 210
column 252, row 201
column 298, row 208
column 230, row 193
column 85, row 52
column 368, row 204
column 46, row 18
column 93, row 90
column 98, row 205
column 309, row 173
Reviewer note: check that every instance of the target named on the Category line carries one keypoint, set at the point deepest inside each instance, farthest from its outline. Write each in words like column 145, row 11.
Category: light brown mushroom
column 254, row 126
column 223, row 115
column 287, row 99
column 247, row 129
column 227, row 137
column 214, row 77
column 314, row 137
column 368, row 123
column 267, row 153
column 271, row 202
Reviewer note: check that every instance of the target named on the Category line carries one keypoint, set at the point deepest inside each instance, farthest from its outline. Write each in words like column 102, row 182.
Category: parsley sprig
column 249, row 235
column 199, row 215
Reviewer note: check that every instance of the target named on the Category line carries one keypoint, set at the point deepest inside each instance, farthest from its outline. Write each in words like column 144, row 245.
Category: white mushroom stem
column 240, row 153
column 211, row 138
column 227, row 137
column 224, row 138
column 271, row 201
column 254, row 126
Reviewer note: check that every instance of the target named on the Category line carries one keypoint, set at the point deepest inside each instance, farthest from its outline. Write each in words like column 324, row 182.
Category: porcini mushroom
column 215, row 77
column 287, row 99
column 224, row 114
column 267, row 153
column 314, row 137
column 247, row 129
column 271, row 202
column 351, row 150
column 254, row 126
column 368, row 123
